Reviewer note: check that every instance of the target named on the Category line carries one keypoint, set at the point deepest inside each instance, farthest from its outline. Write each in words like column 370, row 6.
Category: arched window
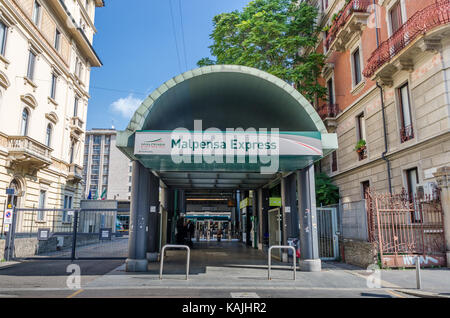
column 48, row 135
column 24, row 124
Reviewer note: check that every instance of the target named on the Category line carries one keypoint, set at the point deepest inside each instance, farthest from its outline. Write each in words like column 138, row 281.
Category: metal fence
column 327, row 232
column 353, row 220
column 402, row 226
column 64, row 234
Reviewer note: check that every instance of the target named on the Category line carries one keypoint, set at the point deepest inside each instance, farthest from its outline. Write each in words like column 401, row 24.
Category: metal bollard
column 269, row 261
column 418, row 275
column 175, row 246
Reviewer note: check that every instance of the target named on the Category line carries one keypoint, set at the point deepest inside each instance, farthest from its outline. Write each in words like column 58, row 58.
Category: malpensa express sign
column 234, row 142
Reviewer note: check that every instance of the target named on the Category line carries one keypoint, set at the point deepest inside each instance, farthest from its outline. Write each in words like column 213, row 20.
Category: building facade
column 107, row 171
column 387, row 75
column 46, row 56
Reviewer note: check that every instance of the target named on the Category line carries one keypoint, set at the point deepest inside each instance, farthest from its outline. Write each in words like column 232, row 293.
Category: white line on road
column 244, row 295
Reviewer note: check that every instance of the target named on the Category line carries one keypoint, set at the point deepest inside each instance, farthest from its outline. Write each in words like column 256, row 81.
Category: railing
column 77, row 122
column 269, row 260
column 328, row 111
column 406, row 133
column 402, row 225
column 349, row 9
column 161, row 267
column 421, row 22
column 75, row 171
column 27, row 144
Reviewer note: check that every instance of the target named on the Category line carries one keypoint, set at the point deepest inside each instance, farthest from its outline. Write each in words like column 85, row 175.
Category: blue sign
column 10, row 191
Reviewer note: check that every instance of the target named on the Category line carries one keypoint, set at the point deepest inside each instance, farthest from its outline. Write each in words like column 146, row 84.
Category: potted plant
column 360, row 146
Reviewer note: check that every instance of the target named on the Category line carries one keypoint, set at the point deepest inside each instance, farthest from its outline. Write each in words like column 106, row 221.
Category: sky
column 142, row 47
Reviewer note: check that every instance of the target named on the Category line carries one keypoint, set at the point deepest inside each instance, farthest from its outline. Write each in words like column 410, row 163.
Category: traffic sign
column 8, row 216
column 10, row 191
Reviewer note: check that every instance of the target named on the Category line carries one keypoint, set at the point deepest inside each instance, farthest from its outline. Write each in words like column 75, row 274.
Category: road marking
column 244, row 295
column 76, row 293
column 395, row 294
column 383, row 282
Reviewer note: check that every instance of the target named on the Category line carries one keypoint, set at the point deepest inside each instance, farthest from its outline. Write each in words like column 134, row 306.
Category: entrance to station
column 209, row 146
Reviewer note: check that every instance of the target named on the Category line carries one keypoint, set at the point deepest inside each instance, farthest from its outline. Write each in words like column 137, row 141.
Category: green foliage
column 360, row 144
column 276, row 36
column 326, row 192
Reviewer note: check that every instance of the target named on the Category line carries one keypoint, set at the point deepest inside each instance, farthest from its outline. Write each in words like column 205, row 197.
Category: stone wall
column 358, row 253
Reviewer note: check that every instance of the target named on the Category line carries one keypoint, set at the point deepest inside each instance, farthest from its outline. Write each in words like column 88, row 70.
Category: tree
column 276, row 36
column 326, row 192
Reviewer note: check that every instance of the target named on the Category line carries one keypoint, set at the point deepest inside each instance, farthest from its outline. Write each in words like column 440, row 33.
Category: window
column 395, row 15
column 48, row 135
column 406, row 129
column 361, row 134
column 334, row 164
column 72, row 150
column 53, row 88
column 361, row 127
column 31, row 65
column 57, row 39
column 41, row 212
column 67, row 205
column 365, row 188
column 75, row 107
column 412, row 180
column 325, row 4
column 24, row 124
column 36, row 13
column 107, row 140
column 3, row 35
column 97, row 140
column 356, row 60
column 330, row 91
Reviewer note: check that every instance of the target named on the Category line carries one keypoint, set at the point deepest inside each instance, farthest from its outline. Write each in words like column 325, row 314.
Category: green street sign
column 275, row 202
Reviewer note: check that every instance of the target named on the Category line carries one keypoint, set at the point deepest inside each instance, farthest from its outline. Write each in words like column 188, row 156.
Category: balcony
column 76, row 127
column 328, row 112
column 349, row 21
column 26, row 152
column 422, row 32
column 75, row 173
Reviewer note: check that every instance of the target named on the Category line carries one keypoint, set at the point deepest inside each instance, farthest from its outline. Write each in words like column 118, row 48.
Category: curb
column 421, row 294
column 9, row 265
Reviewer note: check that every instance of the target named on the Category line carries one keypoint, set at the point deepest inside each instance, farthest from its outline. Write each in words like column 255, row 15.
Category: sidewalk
column 4, row 264
column 435, row 282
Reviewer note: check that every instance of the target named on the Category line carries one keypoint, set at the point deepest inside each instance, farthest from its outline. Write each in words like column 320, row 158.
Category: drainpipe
column 383, row 155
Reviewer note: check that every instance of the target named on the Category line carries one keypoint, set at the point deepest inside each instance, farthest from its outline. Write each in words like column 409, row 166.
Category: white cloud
column 126, row 106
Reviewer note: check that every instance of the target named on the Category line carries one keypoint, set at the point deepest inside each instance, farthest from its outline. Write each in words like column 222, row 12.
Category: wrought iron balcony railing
column 328, row 111
column 420, row 23
column 406, row 133
column 350, row 8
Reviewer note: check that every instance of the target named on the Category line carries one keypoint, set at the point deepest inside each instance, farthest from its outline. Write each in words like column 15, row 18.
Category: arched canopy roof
column 225, row 96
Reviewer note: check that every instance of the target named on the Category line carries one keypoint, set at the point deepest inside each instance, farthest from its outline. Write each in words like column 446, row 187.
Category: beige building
column 46, row 56
column 404, row 47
